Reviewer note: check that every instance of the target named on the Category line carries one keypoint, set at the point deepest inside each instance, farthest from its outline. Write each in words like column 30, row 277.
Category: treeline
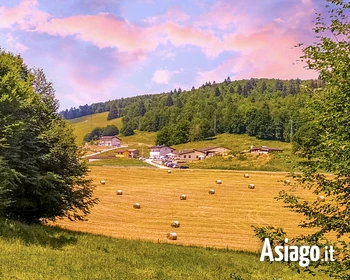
column 265, row 108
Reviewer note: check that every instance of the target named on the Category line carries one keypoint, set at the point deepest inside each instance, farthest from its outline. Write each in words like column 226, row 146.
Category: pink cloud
column 161, row 77
column 222, row 15
column 258, row 57
column 103, row 30
column 187, row 35
column 25, row 14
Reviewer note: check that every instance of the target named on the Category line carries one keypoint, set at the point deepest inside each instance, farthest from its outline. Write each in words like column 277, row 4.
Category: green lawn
column 43, row 252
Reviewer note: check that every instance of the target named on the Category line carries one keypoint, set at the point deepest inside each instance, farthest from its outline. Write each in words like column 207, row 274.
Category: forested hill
column 265, row 108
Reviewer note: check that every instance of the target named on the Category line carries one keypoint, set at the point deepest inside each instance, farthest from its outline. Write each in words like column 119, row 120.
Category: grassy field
column 263, row 162
column 222, row 220
column 86, row 124
column 121, row 162
column 43, row 252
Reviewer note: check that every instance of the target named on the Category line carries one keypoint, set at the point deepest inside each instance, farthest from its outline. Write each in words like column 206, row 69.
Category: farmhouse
column 264, row 150
column 122, row 153
column 188, row 155
column 130, row 153
column 156, row 152
column 211, row 151
column 113, row 141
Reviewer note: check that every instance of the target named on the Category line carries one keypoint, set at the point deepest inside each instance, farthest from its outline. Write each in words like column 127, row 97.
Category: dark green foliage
column 40, row 169
column 127, row 131
column 164, row 136
column 110, row 130
column 113, row 113
column 173, row 134
column 94, row 135
column 169, row 101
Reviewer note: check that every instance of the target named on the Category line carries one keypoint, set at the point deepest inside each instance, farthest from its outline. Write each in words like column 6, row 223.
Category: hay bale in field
column 218, row 182
column 103, row 182
column 169, row 171
column 119, row 192
column 82, row 176
column 175, row 224
column 172, row 235
column 211, row 191
column 251, row 186
column 321, row 198
column 246, row 175
column 137, row 205
column 287, row 182
column 183, row 197
column 89, row 170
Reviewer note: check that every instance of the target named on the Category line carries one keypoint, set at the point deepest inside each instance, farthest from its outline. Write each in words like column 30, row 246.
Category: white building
column 156, row 152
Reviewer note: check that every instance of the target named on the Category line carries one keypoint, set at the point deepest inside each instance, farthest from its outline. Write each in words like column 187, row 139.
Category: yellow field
column 219, row 220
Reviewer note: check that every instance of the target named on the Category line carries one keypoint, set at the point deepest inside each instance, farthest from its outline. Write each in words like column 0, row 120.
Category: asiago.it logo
column 301, row 254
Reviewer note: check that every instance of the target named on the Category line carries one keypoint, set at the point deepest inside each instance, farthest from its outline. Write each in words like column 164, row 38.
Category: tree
column 142, row 109
column 163, row 137
column 94, row 135
column 169, row 101
column 113, row 113
column 217, row 91
column 110, row 130
column 127, row 131
column 330, row 108
column 41, row 174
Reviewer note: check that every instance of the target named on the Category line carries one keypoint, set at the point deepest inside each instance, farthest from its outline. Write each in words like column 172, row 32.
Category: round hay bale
column 251, row 186
column 287, row 182
column 119, row 192
column 246, row 175
column 169, row 171
column 89, row 170
column 321, row 198
column 218, row 182
column 183, row 197
column 137, row 205
column 211, row 191
column 82, row 176
column 172, row 235
column 175, row 224
column 103, row 182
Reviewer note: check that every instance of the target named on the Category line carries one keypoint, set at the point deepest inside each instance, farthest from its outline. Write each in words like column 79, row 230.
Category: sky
column 100, row 50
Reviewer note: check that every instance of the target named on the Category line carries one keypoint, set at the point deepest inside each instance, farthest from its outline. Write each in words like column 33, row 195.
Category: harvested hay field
column 220, row 220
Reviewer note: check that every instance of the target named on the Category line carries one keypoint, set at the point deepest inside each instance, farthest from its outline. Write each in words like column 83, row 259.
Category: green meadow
column 34, row 252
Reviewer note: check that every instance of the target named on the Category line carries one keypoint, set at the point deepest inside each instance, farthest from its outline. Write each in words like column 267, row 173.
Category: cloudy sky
column 98, row 50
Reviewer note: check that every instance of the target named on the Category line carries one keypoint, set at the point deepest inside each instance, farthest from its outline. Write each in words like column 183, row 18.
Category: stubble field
column 221, row 220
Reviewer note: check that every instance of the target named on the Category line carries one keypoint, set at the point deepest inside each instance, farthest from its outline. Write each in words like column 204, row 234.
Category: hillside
column 86, row 124
column 270, row 109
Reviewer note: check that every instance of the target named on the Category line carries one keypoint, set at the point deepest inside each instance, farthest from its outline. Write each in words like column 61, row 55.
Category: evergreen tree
column 113, row 113
column 217, row 91
column 169, row 101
